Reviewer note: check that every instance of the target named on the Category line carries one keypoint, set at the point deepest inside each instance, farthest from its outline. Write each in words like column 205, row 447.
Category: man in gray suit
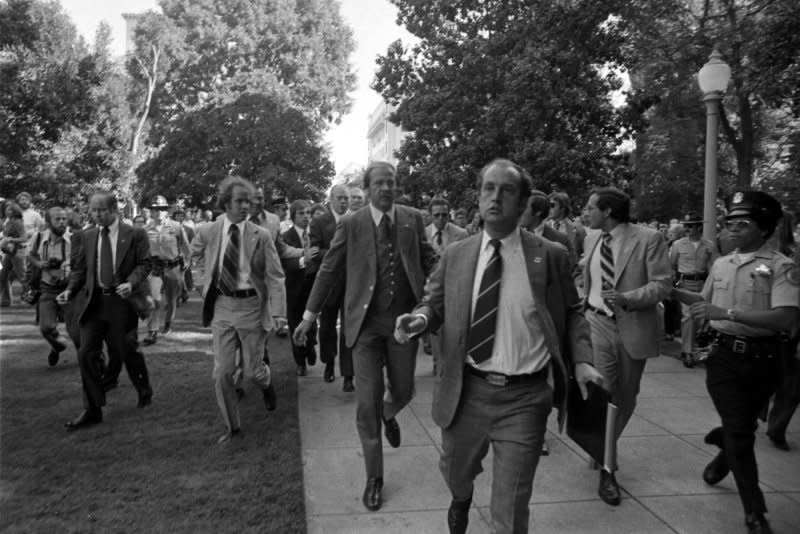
column 382, row 254
column 509, row 314
column 243, row 297
column 441, row 232
column 626, row 273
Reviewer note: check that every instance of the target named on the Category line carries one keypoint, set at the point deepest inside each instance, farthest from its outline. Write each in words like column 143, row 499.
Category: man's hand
column 585, row 373
column 63, row 297
column 614, row 298
column 301, row 332
column 279, row 321
column 124, row 290
column 408, row 325
column 707, row 311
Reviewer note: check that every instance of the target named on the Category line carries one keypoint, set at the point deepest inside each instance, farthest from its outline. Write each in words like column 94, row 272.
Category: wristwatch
column 731, row 314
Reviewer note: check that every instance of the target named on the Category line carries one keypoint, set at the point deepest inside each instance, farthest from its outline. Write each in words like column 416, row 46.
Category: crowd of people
column 516, row 301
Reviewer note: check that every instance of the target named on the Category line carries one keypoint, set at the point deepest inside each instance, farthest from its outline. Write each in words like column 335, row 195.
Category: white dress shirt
column 519, row 345
column 113, row 235
column 243, row 280
column 377, row 214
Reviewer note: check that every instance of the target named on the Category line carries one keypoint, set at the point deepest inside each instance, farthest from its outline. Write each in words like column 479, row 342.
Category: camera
column 54, row 263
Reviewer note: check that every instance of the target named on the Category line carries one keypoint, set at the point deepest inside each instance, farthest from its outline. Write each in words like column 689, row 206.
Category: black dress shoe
column 373, row 498
column 609, row 489
column 167, row 327
column 715, row 437
column 779, row 443
column 458, row 516
column 52, row 358
column 85, row 419
column 545, row 449
column 239, row 394
column 301, row 370
column 328, row 374
column 716, row 470
column 312, row 357
column 392, row 431
column 270, row 399
column 757, row 524
column 145, row 397
column 229, row 436
column 687, row 359
column 347, row 385
column 150, row 339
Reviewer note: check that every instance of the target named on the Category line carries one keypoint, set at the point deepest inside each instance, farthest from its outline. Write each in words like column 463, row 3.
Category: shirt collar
column 509, row 242
column 377, row 214
column 113, row 228
column 336, row 216
column 617, row 231
column 226, row 224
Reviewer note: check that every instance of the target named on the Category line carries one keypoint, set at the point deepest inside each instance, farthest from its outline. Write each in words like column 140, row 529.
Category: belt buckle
column 496, row 379
column 739, row 346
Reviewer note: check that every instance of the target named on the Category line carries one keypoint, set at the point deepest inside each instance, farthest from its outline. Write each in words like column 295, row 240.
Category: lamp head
column 715, row 74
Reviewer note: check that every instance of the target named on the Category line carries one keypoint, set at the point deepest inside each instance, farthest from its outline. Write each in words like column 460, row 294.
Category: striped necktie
column 607, row 262
column 480, row 340
column 229, row 275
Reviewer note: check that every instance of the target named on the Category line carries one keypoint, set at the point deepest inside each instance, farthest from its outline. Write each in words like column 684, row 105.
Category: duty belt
column 693, row 277
column 757, row 347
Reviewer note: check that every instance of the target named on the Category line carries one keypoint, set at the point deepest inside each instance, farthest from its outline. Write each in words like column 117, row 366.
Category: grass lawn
column 152, row 470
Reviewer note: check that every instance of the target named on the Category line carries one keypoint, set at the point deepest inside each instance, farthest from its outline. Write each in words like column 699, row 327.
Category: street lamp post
column 713, row 79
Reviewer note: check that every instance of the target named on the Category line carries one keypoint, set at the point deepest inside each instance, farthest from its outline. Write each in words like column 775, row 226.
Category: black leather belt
column 499, row 379
column 107, row 290
column 756, row 347
column 598, row 311
column 242, row 293
column 696, row 277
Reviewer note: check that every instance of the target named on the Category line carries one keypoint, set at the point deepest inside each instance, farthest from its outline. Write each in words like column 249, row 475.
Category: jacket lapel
column 591, row 243
column 628, row 246
column 536, row 262
column 123, row 244
column 214, row 243
column 465, row 281
column 90, row 242
column 366, row 231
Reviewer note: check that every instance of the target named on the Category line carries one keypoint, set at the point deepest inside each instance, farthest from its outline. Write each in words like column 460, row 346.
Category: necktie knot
column 496, row 244
column 105, row 230
column 234, row 229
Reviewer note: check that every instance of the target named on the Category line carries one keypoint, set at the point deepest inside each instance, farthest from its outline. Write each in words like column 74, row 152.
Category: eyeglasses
column 738, row 225
column 440, row 216
column 304, row 212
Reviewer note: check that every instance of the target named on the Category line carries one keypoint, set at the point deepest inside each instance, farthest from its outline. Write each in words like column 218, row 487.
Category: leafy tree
column 216, row 57
column 240, row 138
column 493, row 78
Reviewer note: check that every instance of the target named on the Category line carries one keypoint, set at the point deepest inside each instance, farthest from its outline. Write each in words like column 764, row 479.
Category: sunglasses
column 738, row 225
column 440, row 216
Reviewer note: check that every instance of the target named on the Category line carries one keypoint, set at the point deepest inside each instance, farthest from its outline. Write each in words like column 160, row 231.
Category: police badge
column 738, row 197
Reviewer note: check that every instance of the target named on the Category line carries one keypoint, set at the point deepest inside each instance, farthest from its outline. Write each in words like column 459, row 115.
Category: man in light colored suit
column 441, row 232
column 626, row 274
column 381, row 253
column 509, row 314
column 243, row 296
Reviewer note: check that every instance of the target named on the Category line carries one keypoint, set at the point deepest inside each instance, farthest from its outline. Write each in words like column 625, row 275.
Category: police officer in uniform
column 691, row 258
column 169, row 248
column 750, row 300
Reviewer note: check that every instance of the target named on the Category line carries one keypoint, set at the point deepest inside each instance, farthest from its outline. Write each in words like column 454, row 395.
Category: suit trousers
column 330, row 341
column 169, row 281
column 513, row 420
column 689, row 326
column 374, row 349
column 237, row 324
column 109, row 318
column 740, row 386
column 621, row 372
column 49, row 311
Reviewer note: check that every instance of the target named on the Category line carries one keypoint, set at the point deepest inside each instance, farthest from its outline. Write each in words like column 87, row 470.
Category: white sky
column 373, row 24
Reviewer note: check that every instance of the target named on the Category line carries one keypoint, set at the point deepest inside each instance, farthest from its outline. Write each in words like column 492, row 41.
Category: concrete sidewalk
column 661, row 457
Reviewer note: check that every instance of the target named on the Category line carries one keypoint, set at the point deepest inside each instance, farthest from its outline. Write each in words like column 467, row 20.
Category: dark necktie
column 106, row 260
column 230, row 263
column 385, row 228
column 439, row 238
column 480, row 340
column 607, row 262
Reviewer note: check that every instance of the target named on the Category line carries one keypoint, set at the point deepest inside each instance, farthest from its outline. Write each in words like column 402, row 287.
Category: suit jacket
column 551, row 234
column 266, row 274
column 272, row 224
column 450, row 234
column 575, row 233
column 448, row 304
column 131, row 264
column 321, row 232
column 352, row 259
column 298, row 278
column 642, row 274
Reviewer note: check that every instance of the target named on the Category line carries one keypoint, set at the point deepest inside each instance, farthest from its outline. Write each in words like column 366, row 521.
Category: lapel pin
column 537, row 259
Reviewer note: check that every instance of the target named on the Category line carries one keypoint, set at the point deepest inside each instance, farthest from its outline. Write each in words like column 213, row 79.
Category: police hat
column 691, row 218
column 159, row 202
column 280, row 201
column 764, row 209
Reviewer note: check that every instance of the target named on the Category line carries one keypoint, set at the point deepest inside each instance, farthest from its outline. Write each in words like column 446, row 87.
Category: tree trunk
column 744, row 156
